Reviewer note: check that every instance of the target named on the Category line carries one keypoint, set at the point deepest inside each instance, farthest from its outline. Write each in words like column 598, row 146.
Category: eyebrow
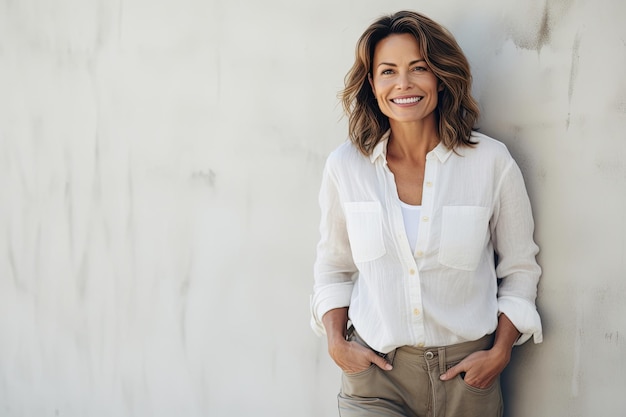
column 394, row 65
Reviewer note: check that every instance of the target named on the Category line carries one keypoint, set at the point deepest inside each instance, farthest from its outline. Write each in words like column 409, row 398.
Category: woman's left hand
column 481, row 368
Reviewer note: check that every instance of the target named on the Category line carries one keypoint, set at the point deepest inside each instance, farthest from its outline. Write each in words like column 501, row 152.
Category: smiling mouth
column 407, row 100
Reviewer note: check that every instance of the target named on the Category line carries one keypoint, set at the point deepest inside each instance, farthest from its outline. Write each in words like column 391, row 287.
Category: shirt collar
column 381, row 147
column 441, row 152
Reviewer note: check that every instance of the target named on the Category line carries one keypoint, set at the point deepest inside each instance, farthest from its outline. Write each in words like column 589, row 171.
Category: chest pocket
column 464, row 233
column 364, row 222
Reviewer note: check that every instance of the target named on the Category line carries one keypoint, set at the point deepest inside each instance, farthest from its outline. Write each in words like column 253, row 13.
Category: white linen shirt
column 474, row 203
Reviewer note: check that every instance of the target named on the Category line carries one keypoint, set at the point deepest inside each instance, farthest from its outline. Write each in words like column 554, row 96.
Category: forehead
column 397, row 46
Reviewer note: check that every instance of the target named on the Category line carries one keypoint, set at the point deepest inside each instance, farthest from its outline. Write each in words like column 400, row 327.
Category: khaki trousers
column 413, row 388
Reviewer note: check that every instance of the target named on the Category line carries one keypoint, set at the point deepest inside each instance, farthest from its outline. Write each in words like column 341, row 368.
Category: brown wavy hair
column 457, row 111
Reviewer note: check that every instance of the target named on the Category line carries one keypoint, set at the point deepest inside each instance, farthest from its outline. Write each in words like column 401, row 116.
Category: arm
column 334, row 271
column 334, row 268
column 512, row 234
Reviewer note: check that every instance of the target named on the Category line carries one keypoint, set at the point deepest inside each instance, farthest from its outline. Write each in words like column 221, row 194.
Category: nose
column 404, row 81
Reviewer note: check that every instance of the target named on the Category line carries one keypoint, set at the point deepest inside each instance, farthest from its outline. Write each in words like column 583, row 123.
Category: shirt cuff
column 326, row 299
column 524, row 317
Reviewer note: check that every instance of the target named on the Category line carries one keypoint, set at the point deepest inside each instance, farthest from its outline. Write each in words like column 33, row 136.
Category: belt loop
column 442, row 360
column 349, row 332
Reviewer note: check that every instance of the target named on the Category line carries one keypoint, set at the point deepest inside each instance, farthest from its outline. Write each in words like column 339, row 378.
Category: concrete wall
column 159, row 168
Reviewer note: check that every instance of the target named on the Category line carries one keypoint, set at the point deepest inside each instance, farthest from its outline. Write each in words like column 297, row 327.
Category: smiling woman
column 457, row 110
column 404, row 86
column 414, row 210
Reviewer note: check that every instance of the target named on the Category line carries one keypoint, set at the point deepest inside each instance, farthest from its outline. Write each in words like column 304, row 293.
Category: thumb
column 452, row 372
column 380, row 362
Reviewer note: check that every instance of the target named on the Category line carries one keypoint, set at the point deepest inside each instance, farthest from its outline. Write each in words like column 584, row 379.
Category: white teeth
column 406, row 100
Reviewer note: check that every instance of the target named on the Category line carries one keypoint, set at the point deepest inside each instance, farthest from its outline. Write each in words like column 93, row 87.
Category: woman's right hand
column 352, row 357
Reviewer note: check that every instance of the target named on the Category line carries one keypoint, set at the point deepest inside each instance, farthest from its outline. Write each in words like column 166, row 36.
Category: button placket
column 397, row 224
column 430, row 173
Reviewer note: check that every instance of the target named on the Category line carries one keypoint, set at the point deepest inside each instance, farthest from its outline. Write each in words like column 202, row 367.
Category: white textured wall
column 159, row 167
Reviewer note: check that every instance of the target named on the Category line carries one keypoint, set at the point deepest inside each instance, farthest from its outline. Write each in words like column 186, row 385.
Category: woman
column 420, row 218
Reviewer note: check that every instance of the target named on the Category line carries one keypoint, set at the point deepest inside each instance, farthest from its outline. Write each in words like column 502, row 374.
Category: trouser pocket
column 464, row 400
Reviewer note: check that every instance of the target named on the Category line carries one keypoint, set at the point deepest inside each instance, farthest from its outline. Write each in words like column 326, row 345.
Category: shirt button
column 419, row 253
column 416, row 311
column 429, row 184
column 412, row 271
column 425, row 218
column 420, row 345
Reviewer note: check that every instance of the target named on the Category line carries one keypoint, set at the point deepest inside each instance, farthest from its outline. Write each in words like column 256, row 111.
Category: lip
column 406, row 100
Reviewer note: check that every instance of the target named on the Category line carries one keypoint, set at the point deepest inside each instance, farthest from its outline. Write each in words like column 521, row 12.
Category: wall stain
column 573, row 75
column 611, row 167
column 38, row 255
column 130, row 218
column 207, row 177
column 537, row 40
column 81, row 275
column 578, row 341
column 184, row 295
column 543, row 36
column 120, row 19
column 13, row 267
column 612, row 337
column 69, row 199
column 553, row 11
column 574, row 66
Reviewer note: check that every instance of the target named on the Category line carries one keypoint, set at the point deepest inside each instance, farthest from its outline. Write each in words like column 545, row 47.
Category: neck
column 412, row 140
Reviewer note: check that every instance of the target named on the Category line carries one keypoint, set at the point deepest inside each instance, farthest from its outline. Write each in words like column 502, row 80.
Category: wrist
column 501, row 353
column 335, row 338
column 335, row 346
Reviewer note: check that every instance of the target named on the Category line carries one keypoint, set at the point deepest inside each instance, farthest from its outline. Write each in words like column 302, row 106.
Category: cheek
column 380, row 86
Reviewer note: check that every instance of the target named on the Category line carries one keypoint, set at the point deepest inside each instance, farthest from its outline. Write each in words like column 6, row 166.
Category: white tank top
column 411, row 216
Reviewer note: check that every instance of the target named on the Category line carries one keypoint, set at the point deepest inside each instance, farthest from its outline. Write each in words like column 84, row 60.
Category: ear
column 371, row 81
column 440, row 86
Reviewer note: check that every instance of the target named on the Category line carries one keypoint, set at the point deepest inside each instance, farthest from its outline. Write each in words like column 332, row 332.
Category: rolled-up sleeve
column 512, row 234
column 334, row 268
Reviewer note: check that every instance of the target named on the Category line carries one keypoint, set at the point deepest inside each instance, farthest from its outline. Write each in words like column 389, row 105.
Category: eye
column 387, row 72
column 420, row 68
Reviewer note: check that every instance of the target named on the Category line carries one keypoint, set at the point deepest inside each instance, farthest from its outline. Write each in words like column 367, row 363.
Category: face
column 403, row 84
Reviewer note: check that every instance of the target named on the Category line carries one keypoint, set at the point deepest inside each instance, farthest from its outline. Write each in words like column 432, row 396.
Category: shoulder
column 487, row 149
column 345, row 156
column 487, row 144
column 488, row 155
